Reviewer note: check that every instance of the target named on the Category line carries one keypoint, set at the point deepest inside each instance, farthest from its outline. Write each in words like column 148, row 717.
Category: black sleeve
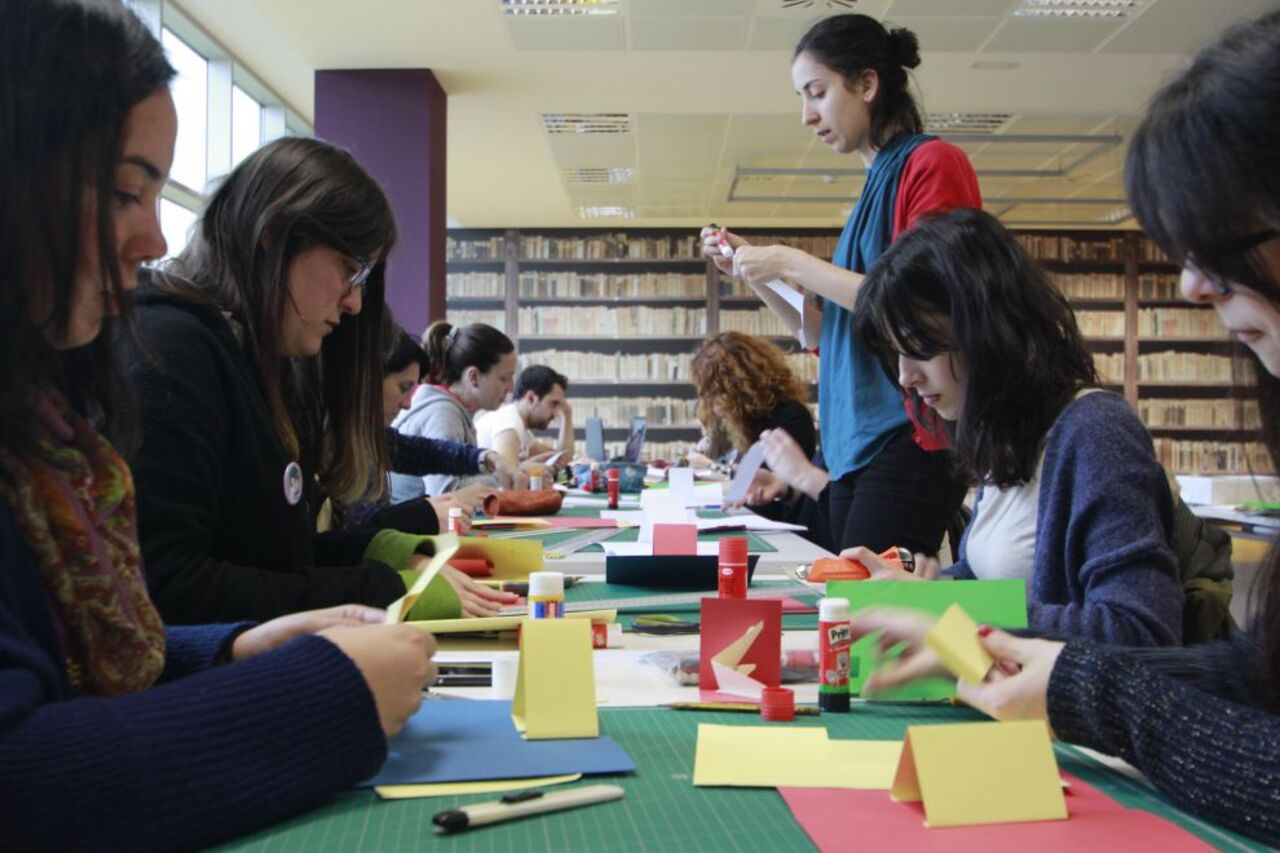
column 421, row 456
column 797, row 420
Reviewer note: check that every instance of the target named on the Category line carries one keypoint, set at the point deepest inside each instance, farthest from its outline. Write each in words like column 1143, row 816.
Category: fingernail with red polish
column 984, row 630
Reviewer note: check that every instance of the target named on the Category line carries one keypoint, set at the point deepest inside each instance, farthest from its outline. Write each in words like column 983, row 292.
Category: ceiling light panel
column 606, row 211
column 1078, row 8
column 557, row 8
column 586, row 122
column 966, row 122
column 613, row 175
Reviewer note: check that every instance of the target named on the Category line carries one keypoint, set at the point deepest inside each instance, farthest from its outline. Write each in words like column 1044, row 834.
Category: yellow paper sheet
column 954, row 639
column 446, row 546
column 556, row 682
column 973, row 773
column 501, row 623
column 512, row 559
column 450, row 789
column 773, row 756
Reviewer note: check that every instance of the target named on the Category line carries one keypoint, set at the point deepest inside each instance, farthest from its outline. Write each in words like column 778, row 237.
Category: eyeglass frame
column 360, row 277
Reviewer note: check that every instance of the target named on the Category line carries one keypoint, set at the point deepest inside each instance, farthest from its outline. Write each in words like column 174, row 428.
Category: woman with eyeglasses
column 118, row 732
column 1201, row 723
column 258, row 365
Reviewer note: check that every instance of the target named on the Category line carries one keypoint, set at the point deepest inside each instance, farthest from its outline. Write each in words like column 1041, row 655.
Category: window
column 191, row 97
column 246, row 124
column 175, row 224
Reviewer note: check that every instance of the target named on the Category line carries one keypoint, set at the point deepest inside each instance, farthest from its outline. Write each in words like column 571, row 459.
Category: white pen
column 523, row 804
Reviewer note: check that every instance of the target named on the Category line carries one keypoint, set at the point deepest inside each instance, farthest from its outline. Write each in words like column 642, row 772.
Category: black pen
column 523, row 804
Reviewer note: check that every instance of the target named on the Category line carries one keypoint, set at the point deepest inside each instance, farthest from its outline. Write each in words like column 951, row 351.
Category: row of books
column 1173, row 366
column 575, row 285
column 475, row 285
column 659, row 411
column 611, row 246
column 468, row 316
column 613, row 367
column 1180, row 323
column 761, row 321
column 622, row 321
column 1150, row 252
column 474, row 248
column 1182, row 456
column 1157, row 285
column 1101, row 324
column 1093, row 285
column 1209, row 414
column 1053, row 247
column 1110, row 367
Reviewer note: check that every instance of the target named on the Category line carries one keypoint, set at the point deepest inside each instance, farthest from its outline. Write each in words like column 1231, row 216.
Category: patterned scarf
column 73, row 501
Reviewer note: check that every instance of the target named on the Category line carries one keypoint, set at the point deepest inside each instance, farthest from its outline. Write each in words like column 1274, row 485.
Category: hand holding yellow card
column 398, row 610
column 954, row 639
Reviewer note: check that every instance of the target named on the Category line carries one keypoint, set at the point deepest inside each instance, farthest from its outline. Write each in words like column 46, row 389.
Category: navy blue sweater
column 1103, row 565
column 209, row 753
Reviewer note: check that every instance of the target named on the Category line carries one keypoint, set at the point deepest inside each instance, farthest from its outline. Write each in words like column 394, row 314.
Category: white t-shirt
column 490, row 424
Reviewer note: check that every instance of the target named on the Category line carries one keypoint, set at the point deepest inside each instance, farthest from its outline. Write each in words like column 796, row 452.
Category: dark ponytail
column 452, row 349
column 852, row 44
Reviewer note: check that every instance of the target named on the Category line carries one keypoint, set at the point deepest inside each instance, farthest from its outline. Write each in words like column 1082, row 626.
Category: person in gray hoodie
column 472, row 368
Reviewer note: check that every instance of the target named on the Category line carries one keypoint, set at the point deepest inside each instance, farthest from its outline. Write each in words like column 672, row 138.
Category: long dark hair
column 852, row 44
column 70, row 72
column 400, row 349
column 1011, row 328
column 290, row 195
column 452, row 349
column 1201, row 173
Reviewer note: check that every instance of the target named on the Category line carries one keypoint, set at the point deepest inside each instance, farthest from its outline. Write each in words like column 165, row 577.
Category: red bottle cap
column 733, row 549
column 614, row 474
column 777, row 704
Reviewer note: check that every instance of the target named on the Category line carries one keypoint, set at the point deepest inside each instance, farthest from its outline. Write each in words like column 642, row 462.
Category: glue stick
column 546, row 595
column 615, row 484
column 455, row 519
column 535, row 478
column 833, row 654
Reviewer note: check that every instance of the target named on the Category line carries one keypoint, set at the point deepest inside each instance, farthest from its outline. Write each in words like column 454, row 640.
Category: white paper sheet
column 747, row 468
column 645, row 549
column 795, row 299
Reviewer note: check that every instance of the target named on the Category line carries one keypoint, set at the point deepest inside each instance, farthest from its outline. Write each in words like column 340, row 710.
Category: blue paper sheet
column 464, row 740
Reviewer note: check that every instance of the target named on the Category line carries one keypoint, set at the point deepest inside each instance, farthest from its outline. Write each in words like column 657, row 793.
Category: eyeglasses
column 1230, row 262
column 361, row 276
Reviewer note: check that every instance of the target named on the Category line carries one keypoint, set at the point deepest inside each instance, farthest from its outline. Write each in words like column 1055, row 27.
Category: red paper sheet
column 838, row 820
column 675, row 540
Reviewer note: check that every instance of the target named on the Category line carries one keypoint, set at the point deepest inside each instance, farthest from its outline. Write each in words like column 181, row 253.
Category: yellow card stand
column 446, row 548
column 954, row 639
column 512, row 559
column 556, row 681
column 974, row 773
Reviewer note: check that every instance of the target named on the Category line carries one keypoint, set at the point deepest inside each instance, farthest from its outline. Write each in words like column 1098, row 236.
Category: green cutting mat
column 755, row 544
column 662, row 810
column 689, row 612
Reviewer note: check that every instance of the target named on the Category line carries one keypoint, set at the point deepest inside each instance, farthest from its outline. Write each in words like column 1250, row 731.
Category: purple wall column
column 393, row 120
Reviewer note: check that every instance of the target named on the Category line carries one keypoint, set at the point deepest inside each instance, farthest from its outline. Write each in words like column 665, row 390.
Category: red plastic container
column 733, row 567
column 777, row 705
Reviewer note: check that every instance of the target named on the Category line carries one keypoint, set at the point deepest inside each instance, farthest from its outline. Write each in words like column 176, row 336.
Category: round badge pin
column 293, row 483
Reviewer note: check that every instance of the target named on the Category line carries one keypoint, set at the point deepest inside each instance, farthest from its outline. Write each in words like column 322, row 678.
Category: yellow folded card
column 446, row 547
column 972, row 773
column 774, row 757
column 556, row 680
column 954, row 639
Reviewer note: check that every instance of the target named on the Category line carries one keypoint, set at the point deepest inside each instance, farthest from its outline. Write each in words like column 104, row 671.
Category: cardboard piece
column 747, row 468
column 743, row 635
column 461, row 740
column 973, row 773
column 1097, row 822
column 675, row 540
column 954, row 639
column 773, row 756
column 1002, row 603
column 688, row 573
column 556, row 683
column 462, row 789
column 446, row 548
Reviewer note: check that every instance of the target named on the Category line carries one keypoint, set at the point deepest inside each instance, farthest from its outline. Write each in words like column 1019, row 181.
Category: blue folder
column 463, row 740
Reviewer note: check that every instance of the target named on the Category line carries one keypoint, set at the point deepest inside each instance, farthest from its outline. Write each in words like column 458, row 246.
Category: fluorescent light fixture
column 586, row 122
column 1120, row 214
column 966, row 122
column 606, row 211
column 557, row 8
column 612, row 175
column 1078, row 8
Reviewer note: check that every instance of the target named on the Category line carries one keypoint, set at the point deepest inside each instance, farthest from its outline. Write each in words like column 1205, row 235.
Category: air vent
column 615, row 175
column 966, row 122
column 557, row 8
column 1078, row 8
column 586, row 122
column 606, row 211
column 810, row 4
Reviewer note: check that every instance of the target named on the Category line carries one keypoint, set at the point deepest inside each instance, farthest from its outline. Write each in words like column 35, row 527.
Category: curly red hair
column 741, row 379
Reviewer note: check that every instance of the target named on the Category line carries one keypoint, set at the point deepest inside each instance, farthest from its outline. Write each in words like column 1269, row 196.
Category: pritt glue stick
column 733, row 567
column 614, row 483
column 535, row 478
column 833, row 654
column 546, row 595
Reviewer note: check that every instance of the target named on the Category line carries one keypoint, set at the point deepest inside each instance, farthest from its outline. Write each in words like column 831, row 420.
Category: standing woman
column 259, row 370
column 116, row 732
column 889, row 483
column 473, row 369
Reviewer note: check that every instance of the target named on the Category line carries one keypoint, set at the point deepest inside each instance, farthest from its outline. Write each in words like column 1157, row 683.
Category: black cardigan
column 220, row 541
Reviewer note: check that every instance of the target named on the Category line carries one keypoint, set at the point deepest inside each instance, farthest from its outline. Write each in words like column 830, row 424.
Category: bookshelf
column 622, row 312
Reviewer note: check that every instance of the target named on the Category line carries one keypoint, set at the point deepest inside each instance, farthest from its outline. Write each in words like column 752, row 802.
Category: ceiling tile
column 588, row 151
column 1024, row 35
column 688, row 33
column 1172, row 36
column 593, row 33
column 640, row 8
column 940, row 35
column 949, row 8
column 821, row 9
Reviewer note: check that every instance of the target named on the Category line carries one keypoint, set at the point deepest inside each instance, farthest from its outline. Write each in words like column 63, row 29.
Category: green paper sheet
column 1002, row 603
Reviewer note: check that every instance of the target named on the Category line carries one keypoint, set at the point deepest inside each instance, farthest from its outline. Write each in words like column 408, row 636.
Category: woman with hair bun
column 889, row 485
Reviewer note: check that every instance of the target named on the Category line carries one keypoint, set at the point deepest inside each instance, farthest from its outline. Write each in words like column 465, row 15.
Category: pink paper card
column 744, row 635
column 675, row 540
column 840, row 820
